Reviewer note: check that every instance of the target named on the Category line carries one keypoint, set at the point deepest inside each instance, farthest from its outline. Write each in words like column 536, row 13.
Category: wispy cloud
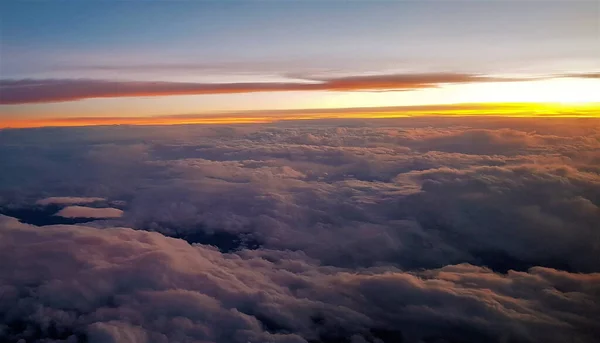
column 60, row 90
column 593, row 75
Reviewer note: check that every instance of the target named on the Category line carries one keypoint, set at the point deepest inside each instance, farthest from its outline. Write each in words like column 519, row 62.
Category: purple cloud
column 413, row 230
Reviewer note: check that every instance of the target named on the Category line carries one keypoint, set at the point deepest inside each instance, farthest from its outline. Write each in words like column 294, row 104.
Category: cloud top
column 399, row 230
column 121, row 285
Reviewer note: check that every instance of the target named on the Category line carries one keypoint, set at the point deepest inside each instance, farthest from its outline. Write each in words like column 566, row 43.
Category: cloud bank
column 404, row 230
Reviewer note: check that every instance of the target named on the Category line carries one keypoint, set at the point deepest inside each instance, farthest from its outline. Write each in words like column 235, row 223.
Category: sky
column 103, row 59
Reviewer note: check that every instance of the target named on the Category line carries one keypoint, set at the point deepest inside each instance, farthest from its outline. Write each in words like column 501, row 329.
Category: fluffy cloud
column 124, row 285
column 414, row 230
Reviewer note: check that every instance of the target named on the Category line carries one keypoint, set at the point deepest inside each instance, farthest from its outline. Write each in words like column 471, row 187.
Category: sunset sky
column 116, row 62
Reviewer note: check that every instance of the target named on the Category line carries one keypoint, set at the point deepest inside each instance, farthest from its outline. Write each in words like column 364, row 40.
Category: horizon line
column 503, row 110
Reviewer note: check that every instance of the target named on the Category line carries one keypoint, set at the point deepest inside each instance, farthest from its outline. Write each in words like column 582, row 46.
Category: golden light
column 560, row 91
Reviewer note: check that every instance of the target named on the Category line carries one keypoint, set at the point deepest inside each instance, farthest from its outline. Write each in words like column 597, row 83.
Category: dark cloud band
column 57, row 90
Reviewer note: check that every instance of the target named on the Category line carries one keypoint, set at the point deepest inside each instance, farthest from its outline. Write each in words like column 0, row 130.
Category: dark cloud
column 68, row 200
column 57, row 90
column 406, row 230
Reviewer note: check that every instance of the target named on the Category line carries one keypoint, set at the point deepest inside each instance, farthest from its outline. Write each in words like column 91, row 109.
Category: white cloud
column 89, row 212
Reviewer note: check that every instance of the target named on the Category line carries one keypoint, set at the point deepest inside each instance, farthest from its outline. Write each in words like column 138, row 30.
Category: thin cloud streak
column 480, row 110
column 61, row 90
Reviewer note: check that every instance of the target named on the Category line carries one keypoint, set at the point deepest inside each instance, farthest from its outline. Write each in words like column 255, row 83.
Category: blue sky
column 46, row 37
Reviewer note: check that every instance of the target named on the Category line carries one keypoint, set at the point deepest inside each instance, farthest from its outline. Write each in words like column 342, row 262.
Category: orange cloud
column 58, row 90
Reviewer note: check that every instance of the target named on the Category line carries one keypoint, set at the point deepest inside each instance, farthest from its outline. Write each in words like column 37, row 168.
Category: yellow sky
column 528, row 110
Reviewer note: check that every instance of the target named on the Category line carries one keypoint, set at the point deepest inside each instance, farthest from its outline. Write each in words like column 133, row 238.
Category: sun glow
column 561, row 91
column 558, row 91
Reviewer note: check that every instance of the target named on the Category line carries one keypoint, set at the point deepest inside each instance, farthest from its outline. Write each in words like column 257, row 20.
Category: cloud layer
column 405, row 230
